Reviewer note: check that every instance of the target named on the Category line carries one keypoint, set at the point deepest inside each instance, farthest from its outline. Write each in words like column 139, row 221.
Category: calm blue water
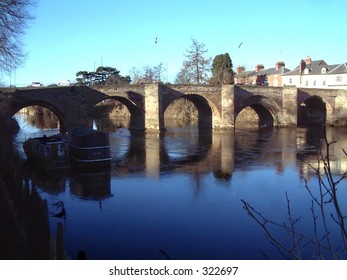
column 180, row 193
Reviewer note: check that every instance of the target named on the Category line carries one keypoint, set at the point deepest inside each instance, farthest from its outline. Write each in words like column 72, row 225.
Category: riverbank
column 12, row 245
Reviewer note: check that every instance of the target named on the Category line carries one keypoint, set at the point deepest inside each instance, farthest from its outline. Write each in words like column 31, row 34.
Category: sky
column 68, row 36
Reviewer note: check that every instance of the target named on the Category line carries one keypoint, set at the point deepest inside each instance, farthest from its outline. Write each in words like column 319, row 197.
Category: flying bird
column 240, row 45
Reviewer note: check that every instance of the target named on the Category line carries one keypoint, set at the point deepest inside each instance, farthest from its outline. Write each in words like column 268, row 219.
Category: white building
column 337, row 77
column 317, row 74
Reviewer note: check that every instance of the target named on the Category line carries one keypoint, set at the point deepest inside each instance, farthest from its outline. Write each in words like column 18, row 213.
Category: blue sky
column 72, row 35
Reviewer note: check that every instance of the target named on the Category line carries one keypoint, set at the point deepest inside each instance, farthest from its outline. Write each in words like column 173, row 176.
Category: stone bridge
column 218, row 106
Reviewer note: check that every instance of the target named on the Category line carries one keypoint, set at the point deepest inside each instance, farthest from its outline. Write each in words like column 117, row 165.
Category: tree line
column 196, row 69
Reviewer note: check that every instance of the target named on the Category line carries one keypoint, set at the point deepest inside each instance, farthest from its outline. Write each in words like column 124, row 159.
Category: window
column 306, row 71
column 324, row 71
column 306, row 83
column 314, row 83
column 290, row 80
column 338, row 79
column 324, row 83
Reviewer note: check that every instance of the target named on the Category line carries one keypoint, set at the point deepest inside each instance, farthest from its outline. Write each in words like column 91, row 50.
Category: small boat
column 89, row 148
column 48, row 152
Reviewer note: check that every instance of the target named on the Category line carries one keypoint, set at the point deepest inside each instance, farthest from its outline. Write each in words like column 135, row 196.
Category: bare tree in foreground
column 14, row 18
column 329, row 235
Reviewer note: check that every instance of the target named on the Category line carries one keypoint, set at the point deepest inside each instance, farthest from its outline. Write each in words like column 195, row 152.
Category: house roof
column 272, row 71
column 269, row 71
column 338, row 69
column 314, row 68
column 245, row 74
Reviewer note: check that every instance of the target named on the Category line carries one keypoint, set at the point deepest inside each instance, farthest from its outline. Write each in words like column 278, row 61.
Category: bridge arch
column 51, row 107
column 208, row 112
column 137, row 121
column 266, row 109
column 312, row 111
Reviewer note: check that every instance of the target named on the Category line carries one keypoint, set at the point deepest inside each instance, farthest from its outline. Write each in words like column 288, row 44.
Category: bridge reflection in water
column 177, row 191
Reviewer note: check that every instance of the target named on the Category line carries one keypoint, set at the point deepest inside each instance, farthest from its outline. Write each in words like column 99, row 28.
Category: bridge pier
column 75, row 116
column 227, row 106
column 288, row 116
column 154, row 117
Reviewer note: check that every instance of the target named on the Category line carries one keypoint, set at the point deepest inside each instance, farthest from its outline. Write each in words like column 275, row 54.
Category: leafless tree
column 14, row 18
column 196, row 66
column 159, row 72
column 136, row 75
column 148, row 74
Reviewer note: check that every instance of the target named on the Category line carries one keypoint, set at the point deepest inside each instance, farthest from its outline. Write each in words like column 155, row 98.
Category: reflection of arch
column 134, row 158
column 49, row 106
column 249, row 149
column 195, row 155
column 265, row 108
column 312, row 111
column 137, row 121
column 207, row 111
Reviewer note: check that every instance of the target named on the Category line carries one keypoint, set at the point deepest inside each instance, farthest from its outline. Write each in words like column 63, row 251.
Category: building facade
column 316, row 74
column 261, row 76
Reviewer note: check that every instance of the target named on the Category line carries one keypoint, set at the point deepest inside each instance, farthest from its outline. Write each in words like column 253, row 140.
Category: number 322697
column 215, row 270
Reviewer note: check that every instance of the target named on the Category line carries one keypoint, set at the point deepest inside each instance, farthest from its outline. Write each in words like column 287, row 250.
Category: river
column 180, row 194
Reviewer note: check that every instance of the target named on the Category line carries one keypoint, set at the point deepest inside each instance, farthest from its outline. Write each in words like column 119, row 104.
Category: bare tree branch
column 196, row 66
column 14, row 18
column 322, row 243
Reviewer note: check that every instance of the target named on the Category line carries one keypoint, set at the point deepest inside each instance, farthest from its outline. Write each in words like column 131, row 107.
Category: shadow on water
column 25, row 232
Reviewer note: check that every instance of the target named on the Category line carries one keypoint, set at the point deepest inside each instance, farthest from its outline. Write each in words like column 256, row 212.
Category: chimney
column 259, row 67
column 302, row 66
column 279, row 65
column 240, row 69
column 308, row 60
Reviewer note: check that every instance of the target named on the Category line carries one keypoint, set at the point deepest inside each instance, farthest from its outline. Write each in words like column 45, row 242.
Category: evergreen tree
column 222, row 72
column 102, row 76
